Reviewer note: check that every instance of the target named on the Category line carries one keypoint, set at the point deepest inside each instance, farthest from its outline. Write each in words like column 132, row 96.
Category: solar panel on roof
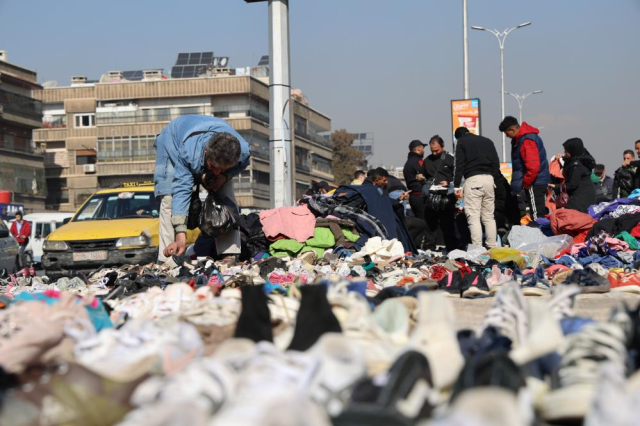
column 183, row 58
column 264, row 60
column 189, row 71
column 176, row 72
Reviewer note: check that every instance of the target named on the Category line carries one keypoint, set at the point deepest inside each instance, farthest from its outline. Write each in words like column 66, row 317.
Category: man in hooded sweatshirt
column 578, row 165
column 530, row 165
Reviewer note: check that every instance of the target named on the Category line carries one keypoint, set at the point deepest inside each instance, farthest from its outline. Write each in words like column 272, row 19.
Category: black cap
column 323, row 184
column 416, row 143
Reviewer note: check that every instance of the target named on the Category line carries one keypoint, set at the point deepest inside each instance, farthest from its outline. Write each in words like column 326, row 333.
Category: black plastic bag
column 218, row 216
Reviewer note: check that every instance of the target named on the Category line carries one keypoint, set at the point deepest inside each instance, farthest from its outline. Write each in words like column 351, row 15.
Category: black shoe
column 474, row 285
column 255, row 319
column 409, row 380
column 314, row 318
column 452, row 283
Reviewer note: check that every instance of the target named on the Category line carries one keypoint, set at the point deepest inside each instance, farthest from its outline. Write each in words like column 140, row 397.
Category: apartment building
column 100, row 134
column 21, row 163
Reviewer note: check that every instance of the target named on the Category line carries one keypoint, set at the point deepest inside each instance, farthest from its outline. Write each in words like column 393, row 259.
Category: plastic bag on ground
column 550, row 247
column 524, row 235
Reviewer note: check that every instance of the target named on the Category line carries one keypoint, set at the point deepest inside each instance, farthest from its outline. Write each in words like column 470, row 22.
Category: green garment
column 283, row 254
column 285, row 245
column 629, row 239
column 319, row 251
column 322, row 238
column 350, row 235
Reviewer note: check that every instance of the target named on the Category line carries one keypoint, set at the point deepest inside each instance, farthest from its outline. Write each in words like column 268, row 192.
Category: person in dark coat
column 413, row 175
column 439, row 167
column 578, row 164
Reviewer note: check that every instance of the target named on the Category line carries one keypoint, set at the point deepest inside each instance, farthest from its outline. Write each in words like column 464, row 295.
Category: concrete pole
column 465, row 49
column 504, row 143
column 280, row 144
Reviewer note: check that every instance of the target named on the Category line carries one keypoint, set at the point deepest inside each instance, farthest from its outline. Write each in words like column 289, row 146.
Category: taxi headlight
column 139, row 241
column 55, row 246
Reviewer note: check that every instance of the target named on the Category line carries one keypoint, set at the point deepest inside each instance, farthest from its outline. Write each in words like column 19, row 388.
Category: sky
column 386, row 67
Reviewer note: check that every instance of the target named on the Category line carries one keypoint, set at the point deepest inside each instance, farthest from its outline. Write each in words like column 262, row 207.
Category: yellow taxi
column 113, row 227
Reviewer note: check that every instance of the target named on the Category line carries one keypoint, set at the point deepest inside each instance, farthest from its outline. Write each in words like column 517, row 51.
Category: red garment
column 571, row 222
column 635, row 232
column 25, row 231
column 297, row 223
column 529, row 154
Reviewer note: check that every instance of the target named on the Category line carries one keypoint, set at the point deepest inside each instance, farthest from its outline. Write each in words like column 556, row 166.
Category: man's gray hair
column 223, row 149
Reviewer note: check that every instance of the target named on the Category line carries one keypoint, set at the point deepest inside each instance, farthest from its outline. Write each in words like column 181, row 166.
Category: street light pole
column 280, row 130
column 502, row 36
column 521, row 98
column 465, row 50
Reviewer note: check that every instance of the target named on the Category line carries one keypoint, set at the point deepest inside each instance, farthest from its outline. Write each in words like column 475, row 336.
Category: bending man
column 187, row 149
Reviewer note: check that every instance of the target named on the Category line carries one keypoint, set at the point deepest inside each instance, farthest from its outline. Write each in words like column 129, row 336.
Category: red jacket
column 530, row 155
column 25, row 231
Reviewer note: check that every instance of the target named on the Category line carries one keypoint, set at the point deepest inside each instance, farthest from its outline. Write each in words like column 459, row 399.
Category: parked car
column 9, row 250
column 113, row 227
column 42, row 224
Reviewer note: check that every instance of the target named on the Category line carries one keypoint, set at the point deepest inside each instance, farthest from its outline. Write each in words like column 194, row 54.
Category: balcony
column 23, row 106
column 251, row 188
column 168, row 114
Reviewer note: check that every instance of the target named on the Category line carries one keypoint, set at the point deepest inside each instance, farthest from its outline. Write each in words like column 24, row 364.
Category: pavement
column 470, row 312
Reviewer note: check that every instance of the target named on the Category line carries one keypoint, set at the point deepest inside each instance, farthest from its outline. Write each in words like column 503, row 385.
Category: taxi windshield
column 122, row 205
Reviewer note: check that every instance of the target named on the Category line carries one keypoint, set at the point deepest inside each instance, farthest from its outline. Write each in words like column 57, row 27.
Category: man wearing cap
column 414, row 177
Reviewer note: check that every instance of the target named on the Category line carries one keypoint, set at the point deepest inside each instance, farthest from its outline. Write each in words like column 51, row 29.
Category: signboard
column 506, row 169
column 8, row 211
column 466, row 113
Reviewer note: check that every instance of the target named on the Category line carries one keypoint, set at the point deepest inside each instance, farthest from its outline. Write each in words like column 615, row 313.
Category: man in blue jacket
column 186, row 149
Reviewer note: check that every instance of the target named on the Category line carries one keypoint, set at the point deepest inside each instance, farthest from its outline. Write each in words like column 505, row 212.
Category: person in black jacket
column 623, row 176
column 578, row 164
column 439, row 167
column 636, row 164
column 413, row 176
column 476, row 160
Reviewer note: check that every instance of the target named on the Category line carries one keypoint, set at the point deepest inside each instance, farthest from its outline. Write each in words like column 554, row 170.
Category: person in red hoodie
column 21, row 231
column 530, row 167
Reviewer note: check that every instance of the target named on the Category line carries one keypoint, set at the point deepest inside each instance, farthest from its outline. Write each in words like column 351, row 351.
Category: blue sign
column 474, row 103
column 8, row 211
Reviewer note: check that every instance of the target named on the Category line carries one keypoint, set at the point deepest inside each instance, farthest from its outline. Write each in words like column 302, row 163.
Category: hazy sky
column 387, row 67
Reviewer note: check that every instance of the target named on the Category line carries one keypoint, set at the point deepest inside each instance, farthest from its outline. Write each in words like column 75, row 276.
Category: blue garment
column 180, row 156
column 607, row 262
column 517, row 176
column 566, row 260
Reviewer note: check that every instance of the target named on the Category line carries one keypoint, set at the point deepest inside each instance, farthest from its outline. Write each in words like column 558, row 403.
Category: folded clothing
column 293, row 222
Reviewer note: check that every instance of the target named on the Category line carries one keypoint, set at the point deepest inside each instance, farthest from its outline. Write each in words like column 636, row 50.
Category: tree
column 346, row 159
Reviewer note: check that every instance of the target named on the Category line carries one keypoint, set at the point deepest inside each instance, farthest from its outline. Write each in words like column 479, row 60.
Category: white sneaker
column 436, row 338
column 616, row 402
column 579, row 371
column 564, row 300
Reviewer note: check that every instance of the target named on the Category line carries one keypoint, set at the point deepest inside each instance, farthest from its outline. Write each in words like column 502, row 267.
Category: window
column 85, row 159
column 119, row 147
column 85, row 120
column 123, row 205
column 43, row 230
column 300, row 125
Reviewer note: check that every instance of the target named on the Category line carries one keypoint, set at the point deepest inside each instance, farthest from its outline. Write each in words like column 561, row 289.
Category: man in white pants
column 476, row 160
column 186, row 149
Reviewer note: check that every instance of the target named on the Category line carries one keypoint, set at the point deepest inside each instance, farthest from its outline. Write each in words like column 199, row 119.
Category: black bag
column 435, row 200
column 218, row 216
column 195, row 207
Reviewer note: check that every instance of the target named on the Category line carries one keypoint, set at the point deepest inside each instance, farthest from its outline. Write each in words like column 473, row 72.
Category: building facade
column 100, row 134
column 21, row 163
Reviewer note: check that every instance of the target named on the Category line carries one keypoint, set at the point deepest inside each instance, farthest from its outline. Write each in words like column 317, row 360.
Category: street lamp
column 501, row 36
column 521, row 98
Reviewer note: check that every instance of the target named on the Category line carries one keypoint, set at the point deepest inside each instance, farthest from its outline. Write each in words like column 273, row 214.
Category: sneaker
column 563, row 301
column 451, row 284
column 589, row 280
column 577, row 378
column 625, row 283
column 474, row 285
column 616, row 401
column 535, row 284
column 435, row 336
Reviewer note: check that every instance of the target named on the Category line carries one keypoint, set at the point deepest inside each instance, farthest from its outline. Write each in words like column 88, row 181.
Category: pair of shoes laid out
column 471, row 285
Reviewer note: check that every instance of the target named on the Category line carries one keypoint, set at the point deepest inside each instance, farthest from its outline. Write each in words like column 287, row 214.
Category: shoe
column 575, row 383
column 451, row 284
column 435, row 336
column 624, row 282
column 474, row 285
column 616, row 400
column 406, row 396
column 564, row 300
column 589, row 280
column 534, row 284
